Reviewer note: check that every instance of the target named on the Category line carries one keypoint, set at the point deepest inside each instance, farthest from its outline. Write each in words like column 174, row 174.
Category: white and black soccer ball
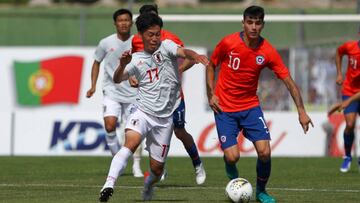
column 239, row 190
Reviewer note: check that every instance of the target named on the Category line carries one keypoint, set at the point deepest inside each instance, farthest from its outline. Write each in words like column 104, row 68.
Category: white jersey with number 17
column 159, row 79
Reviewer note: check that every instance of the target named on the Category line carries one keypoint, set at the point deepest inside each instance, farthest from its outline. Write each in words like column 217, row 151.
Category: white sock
column 151, row 179
column 136, row 163
column 113, row 142
column 118, row 164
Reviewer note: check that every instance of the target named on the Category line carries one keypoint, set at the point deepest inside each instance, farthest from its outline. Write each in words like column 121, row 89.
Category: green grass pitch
column 79, row 179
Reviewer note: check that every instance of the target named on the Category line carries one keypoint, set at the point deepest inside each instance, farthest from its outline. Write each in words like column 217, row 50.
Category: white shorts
column 114, row 108
column 157, row 131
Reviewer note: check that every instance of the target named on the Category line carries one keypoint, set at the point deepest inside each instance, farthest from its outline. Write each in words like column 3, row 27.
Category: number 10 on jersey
column 234, row 62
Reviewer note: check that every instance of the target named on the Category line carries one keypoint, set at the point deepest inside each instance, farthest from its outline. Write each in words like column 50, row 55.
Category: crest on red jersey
column 260, row 60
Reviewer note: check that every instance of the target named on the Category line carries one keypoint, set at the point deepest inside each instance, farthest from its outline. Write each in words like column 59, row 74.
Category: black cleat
column 105, row 194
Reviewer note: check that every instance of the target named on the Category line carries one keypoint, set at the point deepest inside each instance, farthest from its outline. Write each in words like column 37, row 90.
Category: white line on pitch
column 173, row 188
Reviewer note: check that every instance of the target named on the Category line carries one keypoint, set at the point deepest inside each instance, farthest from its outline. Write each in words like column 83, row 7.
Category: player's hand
column 214, row 104
column 90, row 92
column 133, row 82
column 339, row 80
column 125, row 58
column 202, row 59
column 334, row 108
column 305, row 120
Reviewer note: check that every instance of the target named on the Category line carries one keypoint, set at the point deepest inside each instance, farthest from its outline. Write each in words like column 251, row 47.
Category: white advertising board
column 77, row 129
column 5, row 135
column 81, row 133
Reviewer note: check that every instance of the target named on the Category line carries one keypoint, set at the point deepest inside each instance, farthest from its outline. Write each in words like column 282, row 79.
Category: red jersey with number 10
column 351, row 83
column 240, row 68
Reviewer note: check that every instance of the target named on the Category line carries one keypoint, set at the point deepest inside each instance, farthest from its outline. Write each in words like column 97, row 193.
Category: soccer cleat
column 163, row 176
column 137, row 172
column 200, row 174
column 345, row 166
column 264, row 197
column 147, row 193
column 105, row 194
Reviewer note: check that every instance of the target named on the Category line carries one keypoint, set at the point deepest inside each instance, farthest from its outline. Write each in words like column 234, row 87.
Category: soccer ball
column 239, row 190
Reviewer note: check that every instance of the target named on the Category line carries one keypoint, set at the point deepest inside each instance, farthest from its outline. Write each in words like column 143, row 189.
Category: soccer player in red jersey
column 240, row 58
column 350, row 86
column 179, row 114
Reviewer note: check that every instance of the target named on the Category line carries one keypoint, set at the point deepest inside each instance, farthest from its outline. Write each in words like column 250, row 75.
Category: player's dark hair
column 149, row 8
column 121, row 12
column 254, row 12
column 147, row 20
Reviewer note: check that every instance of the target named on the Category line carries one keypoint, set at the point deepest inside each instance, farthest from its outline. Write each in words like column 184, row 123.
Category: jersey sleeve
column 342, row 49
column 171, row 36
column 137, row 44
column 277, row 66
column 218, row 53
column 171, row 47
column 100, row 52
column 130, row 69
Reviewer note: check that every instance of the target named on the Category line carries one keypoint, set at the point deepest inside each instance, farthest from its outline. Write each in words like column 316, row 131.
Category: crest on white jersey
column 260, row 60
column 158, row 58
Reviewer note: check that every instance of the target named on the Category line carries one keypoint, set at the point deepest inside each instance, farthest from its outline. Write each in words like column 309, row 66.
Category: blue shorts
column 354, row 106
column 179, row 115
column 251, row 121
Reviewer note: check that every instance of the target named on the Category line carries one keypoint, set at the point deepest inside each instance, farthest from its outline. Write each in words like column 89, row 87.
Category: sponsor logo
column 78, row 136
column 134, row 122
column 140, row 63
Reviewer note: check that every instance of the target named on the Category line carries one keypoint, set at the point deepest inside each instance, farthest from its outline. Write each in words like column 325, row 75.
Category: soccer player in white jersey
column 117, row 98
column 157, row 71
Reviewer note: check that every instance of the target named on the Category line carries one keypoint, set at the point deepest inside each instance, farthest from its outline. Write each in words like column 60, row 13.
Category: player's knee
column 110, row 127
column 157, row 171
column 180, row 133
column 264, row 155
column 349, row 128
column 232, row 159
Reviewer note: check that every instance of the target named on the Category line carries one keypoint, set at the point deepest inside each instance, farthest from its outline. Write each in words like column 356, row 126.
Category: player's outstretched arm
column 120, row 74
column 338, row 62
column 210, row 84
column 355, row 97
column 186, row 65
column 94, row 76
column 342, row 105
column 192, row 55
column 304, row 119
column 334, row 108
